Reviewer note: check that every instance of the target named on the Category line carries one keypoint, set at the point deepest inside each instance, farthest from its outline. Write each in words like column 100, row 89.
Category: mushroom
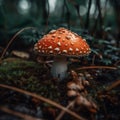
column 74, row 86
column 72, row 93
column 61, row 43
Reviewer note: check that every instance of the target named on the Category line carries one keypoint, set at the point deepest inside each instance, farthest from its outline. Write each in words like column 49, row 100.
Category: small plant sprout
column 61, row 43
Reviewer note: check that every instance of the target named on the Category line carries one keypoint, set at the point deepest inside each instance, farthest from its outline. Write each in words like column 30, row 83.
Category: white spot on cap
column 52, row 31
column 59, row 52
column 84, row 39
column 53, row 35
column 63, row 40
column 43, row 51
column 59, row 37
column 75, row 34
column 66, row 45
column 57, row 49
column 70, row 49
column 87, row 48
column 68, row 37
column 39, row 46
column 77, row 49
column 52, row 39
column 59, row 44
column 73, row 37
column 60, row 32
column 80, row 51
column 44, row 36
column 39, row 50
column 51, row 51
column 64, row 51
column 50, row 47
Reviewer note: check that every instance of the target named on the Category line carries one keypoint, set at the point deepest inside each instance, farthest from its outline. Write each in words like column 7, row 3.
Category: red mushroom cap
column 62, row 42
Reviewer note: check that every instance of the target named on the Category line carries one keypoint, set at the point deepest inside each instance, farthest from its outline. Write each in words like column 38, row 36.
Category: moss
column 28, row 75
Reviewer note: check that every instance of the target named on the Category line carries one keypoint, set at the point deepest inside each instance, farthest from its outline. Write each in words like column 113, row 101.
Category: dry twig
column 113, row 85
column 9, row 43
column 63, row 112
column 97, row 67
column 110, row 87
column 18, row 114
column 116, row 63
column 43, row 99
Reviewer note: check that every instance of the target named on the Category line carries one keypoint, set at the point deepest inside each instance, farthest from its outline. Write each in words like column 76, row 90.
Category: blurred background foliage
column 96, row 20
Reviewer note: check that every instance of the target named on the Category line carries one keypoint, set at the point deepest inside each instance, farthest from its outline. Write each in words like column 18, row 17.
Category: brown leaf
column 20, row 54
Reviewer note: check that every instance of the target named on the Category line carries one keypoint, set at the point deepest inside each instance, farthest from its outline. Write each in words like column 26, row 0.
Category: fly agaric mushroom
column 61, row 43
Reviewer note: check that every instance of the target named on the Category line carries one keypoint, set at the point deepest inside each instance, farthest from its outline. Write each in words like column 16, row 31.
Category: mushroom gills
column 59, row 70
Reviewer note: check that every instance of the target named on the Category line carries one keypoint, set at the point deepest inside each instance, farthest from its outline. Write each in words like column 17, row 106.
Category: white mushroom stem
column 59, row 68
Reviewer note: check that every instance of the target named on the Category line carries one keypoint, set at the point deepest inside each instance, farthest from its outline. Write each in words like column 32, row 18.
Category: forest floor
column 28, row 91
